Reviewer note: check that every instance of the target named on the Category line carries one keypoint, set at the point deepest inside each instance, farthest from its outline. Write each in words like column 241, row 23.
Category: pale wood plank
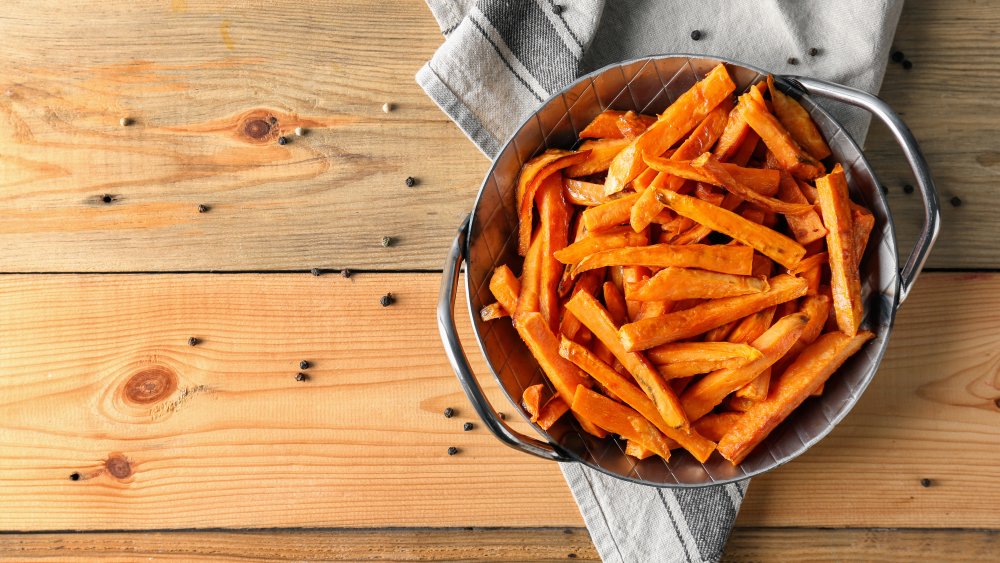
column 363, row 444
column 327, row 199
column 525, row 544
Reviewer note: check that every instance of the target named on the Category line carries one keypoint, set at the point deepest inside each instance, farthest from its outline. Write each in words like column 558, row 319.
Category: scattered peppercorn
column 896, row 57
column 74, row 476
column 282, row 140
column 501, row 415
column 410, row 182
column 557, row 9
column 956, row 201
column 345, row 273
column 467, row 426
column 813, row 52
column 907, row 65
column 387, row 300
column 793, row 61
column 907, row 189
column 386, row 241
column 449, row 412
column 301, row 377
column 316, row 271
column 304, row 364
column 452, row 450
column 273, row 120
column 925, row 483
column 696, row 34
column 202, row 208
column 194, row 341
column 107, row 198
column 885, row 189
column 299, row 131
column 125, row 122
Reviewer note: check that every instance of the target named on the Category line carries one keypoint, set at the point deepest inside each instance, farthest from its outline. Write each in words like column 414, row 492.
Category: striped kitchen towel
column 502, row 58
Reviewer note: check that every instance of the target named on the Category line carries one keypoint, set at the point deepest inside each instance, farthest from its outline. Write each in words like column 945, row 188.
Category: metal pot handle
column 460, row 363
column 932, row 211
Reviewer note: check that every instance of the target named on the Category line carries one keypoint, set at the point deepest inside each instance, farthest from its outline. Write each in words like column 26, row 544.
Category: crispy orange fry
column 681, row 117
column 809, row 262
column 818, row 309
column 596, row 318
column 605, row 125
column 864, row 222
column 715, row 426
column 579, row 192
column 610, row 214
column 778, row 140
column 768, row 242
column 544, row 346
column 554, row 215
column 534, row 172
column 679, row 370
column 599, row 242
column 736, row 135
column 717, row 258
column 699, row 447
column 700, row 351
column 551, row 412
column 701, row 397
column 505, row 287
column 813, row 367
column 718, row 174
column 637, row 451
column 614, row 301
column 798, row 123
column 761, row 181
column 752, row 326
column 647, row 206
column 602, row 152
column 493, row 311
column 845, row 279
column 756, row 390
column 686, row 283
column 531, row 278
column 647, row 333
column 619, row 419
column 532, row 399
column 806, row 227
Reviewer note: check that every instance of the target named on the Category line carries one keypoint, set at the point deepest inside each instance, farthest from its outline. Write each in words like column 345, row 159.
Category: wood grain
column 194, row 75
column 468, row 544
column 99, row 380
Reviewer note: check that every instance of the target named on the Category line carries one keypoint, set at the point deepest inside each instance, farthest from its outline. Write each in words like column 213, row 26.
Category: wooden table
column 119, row 438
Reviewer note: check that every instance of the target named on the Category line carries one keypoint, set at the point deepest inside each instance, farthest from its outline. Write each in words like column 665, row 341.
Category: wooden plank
column 512, row 544
column 201, row 81
column 239, row 443
column 188, row 72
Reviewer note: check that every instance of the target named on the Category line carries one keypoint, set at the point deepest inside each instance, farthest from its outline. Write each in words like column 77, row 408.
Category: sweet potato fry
column 736, row 135
column 864, row 222
column 845, row 279
column 614, row 302
column 678, row 120
column 544, row 346
column 715, row 426
column 493, row 311
column 807, row 226
column 605, row 125
column 532, row 399
column 761, row 181
column 551, row 412
column 798, row 123
column 602, row 152
column 701, row 397
column 718, row 174
column 752, row 326
column 679, row 370
column 813, row 367
column 634, row 397
column 685, row 283
column 569, row 325
column 700, row 351
column 717, row 258
column 637, row 451
column 768, row 242
column 647, row 333
column 535, row 172
column 610, row 214
column 579, row 192
column 596, row 318
column 778, row 140
column 505, row 287
column 554, row 215
column 757, row 389
column 619, row 419
column 599, row 242
column 531, row 278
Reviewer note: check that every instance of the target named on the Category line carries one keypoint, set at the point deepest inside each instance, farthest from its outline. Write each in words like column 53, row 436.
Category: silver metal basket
column 488, row 238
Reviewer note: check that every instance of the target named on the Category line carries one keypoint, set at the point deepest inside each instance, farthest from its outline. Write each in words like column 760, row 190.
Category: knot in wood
column 150, row 385
column 256, row 128
column 118, row 466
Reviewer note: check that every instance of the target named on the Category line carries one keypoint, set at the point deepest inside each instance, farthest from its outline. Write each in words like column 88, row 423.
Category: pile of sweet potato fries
column 689, row 279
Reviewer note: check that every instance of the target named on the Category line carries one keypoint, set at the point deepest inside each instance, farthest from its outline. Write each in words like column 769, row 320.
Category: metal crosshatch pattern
column 649, row 86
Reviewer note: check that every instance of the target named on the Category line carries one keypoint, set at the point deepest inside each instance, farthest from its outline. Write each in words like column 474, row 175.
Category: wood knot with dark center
column 150, row 385
column 256, row 128
column 118, row 466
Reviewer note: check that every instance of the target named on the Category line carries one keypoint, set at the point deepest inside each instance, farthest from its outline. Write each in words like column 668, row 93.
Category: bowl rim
column 789, row 86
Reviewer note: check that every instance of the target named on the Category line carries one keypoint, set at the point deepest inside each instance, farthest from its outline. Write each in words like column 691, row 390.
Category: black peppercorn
column 449, row 412
column 273, row 120
column 813, row 52
column 793, row 61
column 282, row 140
column 193, row 341
column 696, row 34
column 304, row 364
column 387, row 300
column 410, row 182
column 907, row 65
column 501, row 415
column 315, row 271
column 74, row 476
column 557, row 9
column 885, row 189
column 467, row 426
column 301, row 377
column 896, row 57
column 202, row 208
column 907, row 189
column 925, row 483
column 956, row 201
column 107, row 198
column 345, row 273
column 387, row 241
column 452, row 450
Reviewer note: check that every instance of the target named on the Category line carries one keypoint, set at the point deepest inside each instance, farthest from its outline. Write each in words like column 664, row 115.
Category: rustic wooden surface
column 220, row 435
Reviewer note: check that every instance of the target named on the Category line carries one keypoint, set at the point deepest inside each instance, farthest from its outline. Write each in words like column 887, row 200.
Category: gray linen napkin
column 502, row 58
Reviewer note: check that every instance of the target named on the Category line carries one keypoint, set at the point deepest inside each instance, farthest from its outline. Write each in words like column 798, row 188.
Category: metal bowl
column 488, row 238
